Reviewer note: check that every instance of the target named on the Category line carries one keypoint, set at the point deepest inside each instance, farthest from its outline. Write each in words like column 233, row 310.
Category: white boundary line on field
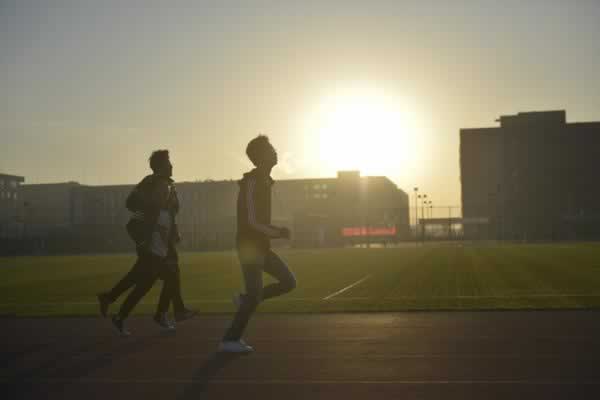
column 347, row 287
column 501, row 296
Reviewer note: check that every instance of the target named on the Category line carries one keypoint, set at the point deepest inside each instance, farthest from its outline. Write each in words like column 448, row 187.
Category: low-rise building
column 10, row 196
column 348, row 209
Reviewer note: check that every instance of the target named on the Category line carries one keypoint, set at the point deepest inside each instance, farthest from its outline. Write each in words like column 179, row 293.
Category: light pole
column 416, row 190
column 423, row 197
column 420, row 197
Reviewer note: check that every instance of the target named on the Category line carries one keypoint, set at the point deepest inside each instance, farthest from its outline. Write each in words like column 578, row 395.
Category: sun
column 366, row 130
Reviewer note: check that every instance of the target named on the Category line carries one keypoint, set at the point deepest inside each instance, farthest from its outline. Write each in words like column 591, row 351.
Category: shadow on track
column 204, row 374
column 74, row 362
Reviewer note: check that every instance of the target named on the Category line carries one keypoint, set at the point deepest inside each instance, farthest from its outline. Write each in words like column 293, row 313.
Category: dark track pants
column 148, row 271
column 273, row 265
column 171, row 291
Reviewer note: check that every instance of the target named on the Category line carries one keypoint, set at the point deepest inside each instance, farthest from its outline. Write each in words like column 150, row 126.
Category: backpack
column 139, row 227
column 138, row 198
column 138, row 201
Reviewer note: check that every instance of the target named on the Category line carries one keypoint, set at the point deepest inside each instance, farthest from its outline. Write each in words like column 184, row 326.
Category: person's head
column 160, row 163
column 261, row 152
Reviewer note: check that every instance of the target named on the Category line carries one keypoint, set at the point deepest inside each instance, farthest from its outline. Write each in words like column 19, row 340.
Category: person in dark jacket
column 254, row 234
column 142, row 227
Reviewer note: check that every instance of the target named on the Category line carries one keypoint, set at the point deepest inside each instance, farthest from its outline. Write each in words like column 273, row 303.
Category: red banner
column 371, row 231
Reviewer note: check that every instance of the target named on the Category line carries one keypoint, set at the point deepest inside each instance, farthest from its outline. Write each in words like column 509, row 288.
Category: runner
column 254, row 233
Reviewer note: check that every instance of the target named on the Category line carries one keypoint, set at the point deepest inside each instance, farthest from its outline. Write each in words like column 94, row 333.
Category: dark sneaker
column 104, row 303
column 119, row 325
column 185, row 314
column 163, row 321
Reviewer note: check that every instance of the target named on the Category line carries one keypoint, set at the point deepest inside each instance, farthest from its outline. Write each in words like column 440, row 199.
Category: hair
column 256, row 148
column 157, row 158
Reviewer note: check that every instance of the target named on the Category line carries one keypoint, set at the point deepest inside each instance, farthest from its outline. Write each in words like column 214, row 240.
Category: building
column 46, row 207
column 207, row 218
column 10, row 195
column 533, row 177
column 98, row 218
column 320, row 212
column 348, row 209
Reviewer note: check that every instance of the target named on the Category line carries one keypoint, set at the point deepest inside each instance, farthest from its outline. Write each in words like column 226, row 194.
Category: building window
column 1, row 183
column 13, row 184
column 325, row 195
column 316, row 186
column 324, row 186
column 317, row 195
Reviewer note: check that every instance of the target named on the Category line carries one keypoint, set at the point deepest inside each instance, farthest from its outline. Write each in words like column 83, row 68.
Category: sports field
column 407, row 278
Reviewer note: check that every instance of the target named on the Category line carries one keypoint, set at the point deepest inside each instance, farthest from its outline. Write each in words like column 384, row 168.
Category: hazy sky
column 89, row 88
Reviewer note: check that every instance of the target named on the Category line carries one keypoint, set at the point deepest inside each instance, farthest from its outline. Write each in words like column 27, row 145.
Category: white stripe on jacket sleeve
column 267, row 230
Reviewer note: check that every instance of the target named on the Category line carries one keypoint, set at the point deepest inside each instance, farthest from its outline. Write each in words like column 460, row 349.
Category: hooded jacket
column 143, row 222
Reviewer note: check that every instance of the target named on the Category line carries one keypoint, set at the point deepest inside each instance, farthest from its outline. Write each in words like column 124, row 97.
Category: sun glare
column 365, row 130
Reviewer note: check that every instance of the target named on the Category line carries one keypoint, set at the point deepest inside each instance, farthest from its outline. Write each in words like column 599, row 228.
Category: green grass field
column 408, row 278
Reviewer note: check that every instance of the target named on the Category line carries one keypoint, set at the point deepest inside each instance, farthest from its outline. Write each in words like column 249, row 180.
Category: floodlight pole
column 423, row 214
column 416, row 190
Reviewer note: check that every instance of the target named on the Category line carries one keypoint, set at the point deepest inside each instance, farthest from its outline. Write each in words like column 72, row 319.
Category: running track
column 456, row 355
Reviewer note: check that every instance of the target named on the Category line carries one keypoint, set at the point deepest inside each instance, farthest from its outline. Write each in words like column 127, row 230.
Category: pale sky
column 89, row 88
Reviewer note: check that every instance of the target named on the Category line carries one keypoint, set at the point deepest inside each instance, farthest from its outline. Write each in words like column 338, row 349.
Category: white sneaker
column 119, row 325
column 235, row 347
column 164, row 322
column 237, row 300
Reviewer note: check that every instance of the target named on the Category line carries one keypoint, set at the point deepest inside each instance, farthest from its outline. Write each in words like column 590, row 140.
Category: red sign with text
column 371, row 231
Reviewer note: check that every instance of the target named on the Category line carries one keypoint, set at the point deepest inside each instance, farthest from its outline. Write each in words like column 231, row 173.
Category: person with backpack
column 254, row 234
column 154, row 205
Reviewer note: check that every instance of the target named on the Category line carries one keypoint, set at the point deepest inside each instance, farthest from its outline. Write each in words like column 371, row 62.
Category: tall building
column 533, row 177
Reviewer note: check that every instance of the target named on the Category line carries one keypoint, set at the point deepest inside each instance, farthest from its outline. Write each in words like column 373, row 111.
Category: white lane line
column 347, row 287
column 329, row 297
column 361, row 357
column 313, row 381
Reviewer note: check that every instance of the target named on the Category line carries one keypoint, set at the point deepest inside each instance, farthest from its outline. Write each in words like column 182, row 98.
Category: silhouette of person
column 155, row 204
column 254, row 233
